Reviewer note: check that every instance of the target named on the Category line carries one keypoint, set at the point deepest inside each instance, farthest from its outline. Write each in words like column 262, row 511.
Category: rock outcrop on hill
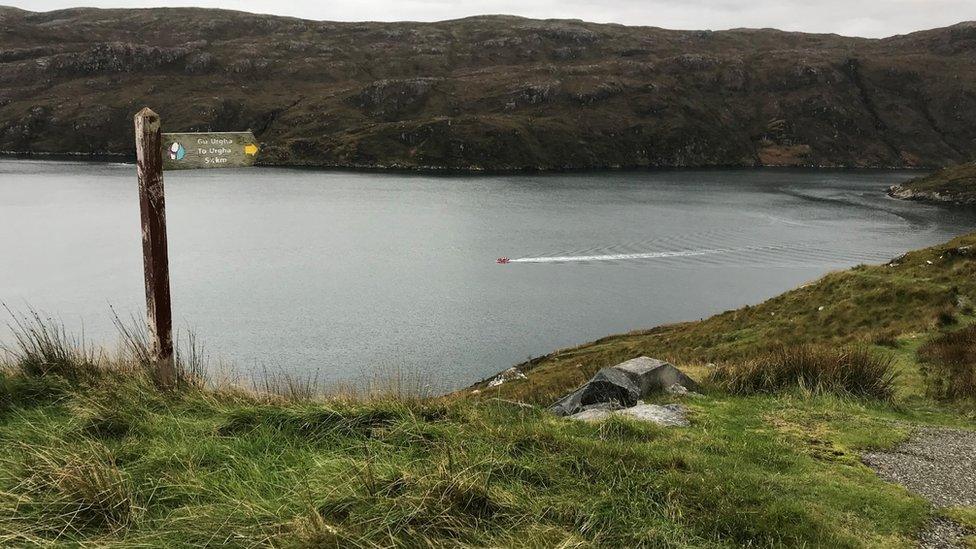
column 623, row 385
column 488, row 92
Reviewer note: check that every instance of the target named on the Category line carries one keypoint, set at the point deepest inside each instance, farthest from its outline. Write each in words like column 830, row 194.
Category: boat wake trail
column 617, row 257
column 796, row 253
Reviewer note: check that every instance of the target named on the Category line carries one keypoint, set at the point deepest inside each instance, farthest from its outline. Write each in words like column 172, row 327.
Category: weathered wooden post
column 152, row 207
column 183, row 151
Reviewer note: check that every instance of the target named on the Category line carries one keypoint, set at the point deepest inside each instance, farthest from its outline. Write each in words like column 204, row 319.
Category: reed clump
column 850, row 371
column 949, row 364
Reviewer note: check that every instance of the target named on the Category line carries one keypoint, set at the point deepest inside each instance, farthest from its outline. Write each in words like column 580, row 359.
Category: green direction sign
column 182, row 151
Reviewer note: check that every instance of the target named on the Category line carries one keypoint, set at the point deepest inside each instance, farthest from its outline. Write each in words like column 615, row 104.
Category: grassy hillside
column 492, row 92
column 955, row 184
column 92, row 453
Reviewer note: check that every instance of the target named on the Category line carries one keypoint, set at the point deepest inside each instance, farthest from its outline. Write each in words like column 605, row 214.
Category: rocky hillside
column 955, row 185
column 488, row 92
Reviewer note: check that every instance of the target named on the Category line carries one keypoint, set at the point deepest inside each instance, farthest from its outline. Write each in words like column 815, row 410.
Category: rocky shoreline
column 929, row 197
column 405, row 168
column 902, row 192
column 955, row 185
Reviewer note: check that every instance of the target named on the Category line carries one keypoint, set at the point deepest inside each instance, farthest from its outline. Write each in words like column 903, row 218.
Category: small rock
column 593, row 414
column 669, row 415
column 510, row 374
column 679, row 390
column 676, row 390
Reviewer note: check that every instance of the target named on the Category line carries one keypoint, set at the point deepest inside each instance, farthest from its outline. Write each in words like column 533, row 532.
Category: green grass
column 117, row 462
column 106, row 459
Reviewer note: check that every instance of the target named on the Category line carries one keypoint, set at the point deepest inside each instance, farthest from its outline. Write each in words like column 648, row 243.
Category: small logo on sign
column 176, row 151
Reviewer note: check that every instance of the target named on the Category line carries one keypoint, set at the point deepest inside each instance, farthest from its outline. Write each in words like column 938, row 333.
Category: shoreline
column 121, row 158
column 901, row 192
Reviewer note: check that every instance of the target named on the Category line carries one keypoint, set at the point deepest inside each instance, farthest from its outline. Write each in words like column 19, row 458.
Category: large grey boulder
column 609, row 388
column 621, row 386
column 654, row 376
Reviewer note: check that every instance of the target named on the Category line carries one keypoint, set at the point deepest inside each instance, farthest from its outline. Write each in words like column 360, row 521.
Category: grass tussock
column 189, row 359
column 64, row 490
column 42, row 347
column 379, row 384
column 287, row 387
column 42, row 356
column 949, row 364
column 854, row 371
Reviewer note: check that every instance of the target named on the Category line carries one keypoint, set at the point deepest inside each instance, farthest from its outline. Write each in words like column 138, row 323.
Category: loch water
column 339, row 274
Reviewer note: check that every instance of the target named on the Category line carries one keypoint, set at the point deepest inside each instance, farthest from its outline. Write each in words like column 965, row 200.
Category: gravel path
column 942, row 534
column 940, row 465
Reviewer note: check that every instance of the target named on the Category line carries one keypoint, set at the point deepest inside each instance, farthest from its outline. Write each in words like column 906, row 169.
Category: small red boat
column 503, row 260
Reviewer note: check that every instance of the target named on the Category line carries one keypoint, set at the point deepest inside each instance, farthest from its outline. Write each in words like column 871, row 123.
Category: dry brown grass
column 377, row 384
column 949, row 364
column 41, row 346
column 43, row 351
column 854, row 371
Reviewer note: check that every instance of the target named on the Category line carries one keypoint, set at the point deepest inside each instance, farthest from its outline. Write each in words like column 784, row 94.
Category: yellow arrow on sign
column 250, row 149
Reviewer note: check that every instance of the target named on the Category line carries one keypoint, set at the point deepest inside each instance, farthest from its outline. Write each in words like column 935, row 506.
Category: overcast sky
column 873, row 18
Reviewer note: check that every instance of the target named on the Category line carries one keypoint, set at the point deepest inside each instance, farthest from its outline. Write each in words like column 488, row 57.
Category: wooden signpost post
column 154, row 152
